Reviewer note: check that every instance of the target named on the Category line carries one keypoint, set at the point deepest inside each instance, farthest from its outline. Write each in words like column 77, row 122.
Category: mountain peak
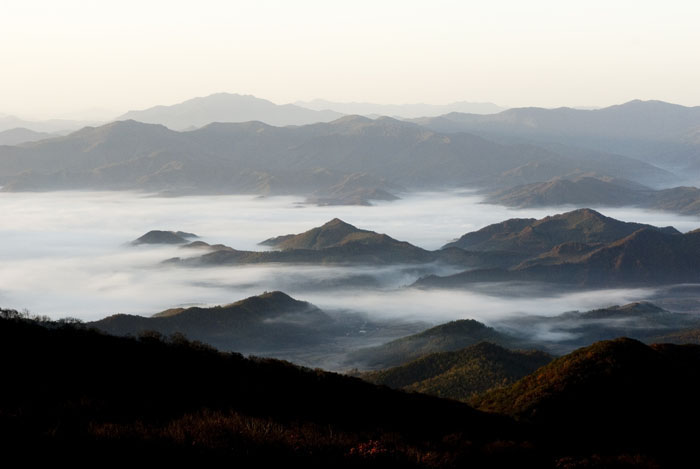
column 337, row 223
column 580, row 214
column 332, row 233
column 272, row 301
column 164, row 237
column 352, row 119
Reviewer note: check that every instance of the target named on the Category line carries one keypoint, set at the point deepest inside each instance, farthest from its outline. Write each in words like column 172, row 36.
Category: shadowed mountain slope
column 463, row 373
column 646, row 257
column 270, row 321
column 613, row 394
column 613, row 404
column 127, row 399
column 598, row 378
column 582, row 248
column 451, row 336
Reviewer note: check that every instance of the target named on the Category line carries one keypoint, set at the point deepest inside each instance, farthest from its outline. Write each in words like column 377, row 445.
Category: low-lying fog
column 66, row 254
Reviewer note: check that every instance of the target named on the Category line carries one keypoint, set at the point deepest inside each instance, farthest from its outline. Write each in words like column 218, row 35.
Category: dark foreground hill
column 463, row 373
column 73, row 393
column 618, row 394
column 79, row 395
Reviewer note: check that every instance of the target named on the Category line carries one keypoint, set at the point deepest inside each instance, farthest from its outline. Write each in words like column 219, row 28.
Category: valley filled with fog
column 68, row 254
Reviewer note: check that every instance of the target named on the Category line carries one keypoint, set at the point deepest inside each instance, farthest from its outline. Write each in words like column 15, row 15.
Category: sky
column 60, row 59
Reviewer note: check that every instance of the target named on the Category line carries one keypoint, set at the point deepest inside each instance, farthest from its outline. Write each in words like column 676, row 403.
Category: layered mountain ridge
column 583, row 248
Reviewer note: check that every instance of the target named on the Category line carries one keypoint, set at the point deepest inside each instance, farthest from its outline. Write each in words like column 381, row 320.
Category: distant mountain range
column 226, row 107
column 654, row 131
column 628, row 154
column 401, row 110
column 51, row 126
column 21, row 135
column 582, row 248
column 352, row 158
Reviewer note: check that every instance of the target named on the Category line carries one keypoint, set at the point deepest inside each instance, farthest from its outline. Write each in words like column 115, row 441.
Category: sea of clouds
column 68, row 254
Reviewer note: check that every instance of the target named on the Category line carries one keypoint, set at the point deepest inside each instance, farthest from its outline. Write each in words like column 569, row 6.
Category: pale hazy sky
column 69, row 55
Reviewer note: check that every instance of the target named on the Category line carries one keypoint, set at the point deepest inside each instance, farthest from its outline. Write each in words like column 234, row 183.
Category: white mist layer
column 66, row 254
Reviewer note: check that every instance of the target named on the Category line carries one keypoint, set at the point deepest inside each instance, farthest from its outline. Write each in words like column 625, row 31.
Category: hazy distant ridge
column 401, row 110
column 348, row 155
column 226, row 107
column 660, row 133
